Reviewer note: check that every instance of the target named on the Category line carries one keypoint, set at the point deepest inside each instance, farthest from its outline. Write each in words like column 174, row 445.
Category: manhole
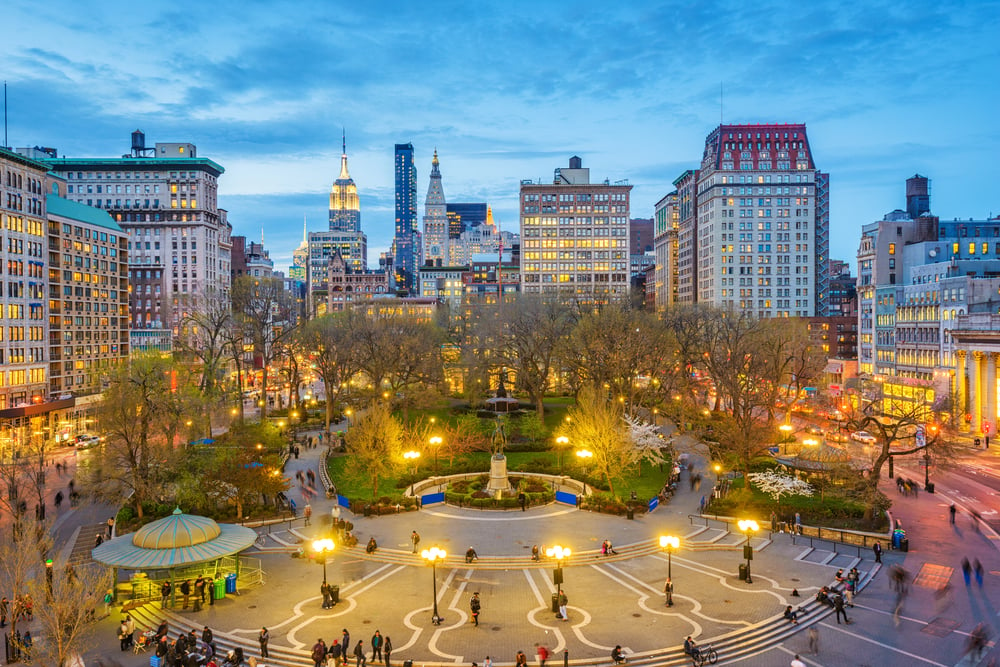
column 253, row 606
column 634, row 615
column 495, row 628
column 794, row 579
column 365, row 622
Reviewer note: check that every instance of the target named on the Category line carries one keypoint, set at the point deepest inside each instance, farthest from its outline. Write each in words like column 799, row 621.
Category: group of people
column 22, row 609
column 198, row 588
column 339, row 651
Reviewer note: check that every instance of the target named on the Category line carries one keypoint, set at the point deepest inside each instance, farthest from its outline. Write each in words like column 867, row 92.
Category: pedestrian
column 951, row 512
column 563, row 601
column 849, row 590
column 186, row 592
column 774, row 521
column 99, row 541
column 474, row 606
column 58, row 499
column 376, row 646
column 318, row 654
column 701, row 506
column 535, row 553
column 111, row 527
column 798, row 523
column 324, row 590
column 838, row 604
column 208, row 638
column 523, row 500
column 967, row 571
column 387, row 649
column 307, row 512
column 336, row 653
column 877, row 549
column 359, row 654
column 668, row 589
column 488, row 662
column 164, row 593
column 977, row 567
column 543, row 655
column 4, row 610
column 345, row 642
column 796, row 662
column 122, row 635
column 813, row 640
column 415, row 540
column 263, row 638
column 521, row 660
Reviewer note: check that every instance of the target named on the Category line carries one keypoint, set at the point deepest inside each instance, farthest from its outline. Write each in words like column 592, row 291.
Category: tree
column 599, row 426
column 331, row 342
column 536, row 330
column 778, row 485
column 374, row 445
column 205, row 323
column 240, row 476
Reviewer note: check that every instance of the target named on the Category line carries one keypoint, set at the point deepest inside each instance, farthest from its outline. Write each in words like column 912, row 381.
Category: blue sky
column 509, row 90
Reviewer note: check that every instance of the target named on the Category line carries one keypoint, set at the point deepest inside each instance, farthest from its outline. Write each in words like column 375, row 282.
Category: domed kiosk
column 179, row 541
column 821, row 459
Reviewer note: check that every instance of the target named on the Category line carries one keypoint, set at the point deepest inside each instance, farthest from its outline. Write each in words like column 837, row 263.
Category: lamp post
column 323, row 547
column 433, row 556
column 561, row 441
column 347, row 413
column 435, row 443
column 680, row 415
column 412, row 456
column 786, row 430
column 748, row 526
column 668, row 543
column 932, row 430
column 558, row 553
column 584, row 455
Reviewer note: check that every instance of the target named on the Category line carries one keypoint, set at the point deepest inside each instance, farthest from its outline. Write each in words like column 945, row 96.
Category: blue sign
column 566, row 498
column 432, row 498
column 653, row 504
column 343, row 501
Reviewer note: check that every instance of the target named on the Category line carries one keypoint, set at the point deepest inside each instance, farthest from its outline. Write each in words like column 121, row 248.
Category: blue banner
column 343, row 502
column 431, row 498
column 567, row 498
column 653, row 504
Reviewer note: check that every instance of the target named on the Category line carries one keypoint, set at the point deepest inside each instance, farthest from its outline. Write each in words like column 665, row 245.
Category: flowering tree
column 776, row 484
column 646, row 441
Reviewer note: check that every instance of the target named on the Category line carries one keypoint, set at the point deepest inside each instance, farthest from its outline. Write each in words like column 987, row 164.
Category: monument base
column 498, row 476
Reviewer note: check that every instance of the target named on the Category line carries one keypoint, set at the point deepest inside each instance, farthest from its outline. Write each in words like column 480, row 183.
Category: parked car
column 837, row 437
column 86, row 441
column 863, row 437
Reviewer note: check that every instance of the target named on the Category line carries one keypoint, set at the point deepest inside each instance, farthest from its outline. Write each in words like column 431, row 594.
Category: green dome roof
column 175, row 531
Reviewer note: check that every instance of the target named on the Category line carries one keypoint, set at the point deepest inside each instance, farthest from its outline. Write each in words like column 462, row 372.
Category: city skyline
column 885, row 91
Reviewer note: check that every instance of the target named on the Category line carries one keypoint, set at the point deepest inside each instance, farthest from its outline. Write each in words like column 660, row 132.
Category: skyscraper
column 574, row 236
column 754, row 232
column 406, row 242
column 435, row 217
column 345, row 206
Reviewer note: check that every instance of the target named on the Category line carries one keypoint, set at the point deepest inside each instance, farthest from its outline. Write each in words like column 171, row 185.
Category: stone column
column 977, row 393
column 961, row 408
column 991, row 391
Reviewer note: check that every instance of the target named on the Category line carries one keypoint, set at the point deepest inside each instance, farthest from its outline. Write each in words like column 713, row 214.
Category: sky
column 510, row 90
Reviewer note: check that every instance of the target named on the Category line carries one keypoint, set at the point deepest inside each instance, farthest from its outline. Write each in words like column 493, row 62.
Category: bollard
column 565, row 658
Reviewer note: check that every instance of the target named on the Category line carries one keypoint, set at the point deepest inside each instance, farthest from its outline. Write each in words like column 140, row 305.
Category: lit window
column 892, row 248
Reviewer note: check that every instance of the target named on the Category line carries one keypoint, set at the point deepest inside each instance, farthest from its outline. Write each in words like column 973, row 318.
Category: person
column 563, row 601
column 951, row 512
column 4, row 610
column 877, row 549
column 823, row 596
column 335, row 654
column 813, row 640
column 798, row 523
column 208, row 638
column 791, row 615
column 122, row 633
column 386, row 650
column 129, row 631
column 616, row 655
column 543, row 655
column 359, row 654
column 58, row 499
column 521, row 660
column 376, row 646
column 324, row 590
column 345, row 641
column 318, row 654
column 415, row 540
column 610, row 549
column 99, row 541
column 838, row 604
column 522, row 499
column 977, row 568
column 372, row 546
column 487, row 662
column 471, row 555
column 264, row 637
column 796, row 662
column 535, row 553
column 474, row 606
column 164, row 593
column 307, row 513
column 977, row 642
column 111, row 527
column 186, row 592
column 669, row 590
column 774, row 522
column 967, row 571
column 199, row 590
column 691, row 648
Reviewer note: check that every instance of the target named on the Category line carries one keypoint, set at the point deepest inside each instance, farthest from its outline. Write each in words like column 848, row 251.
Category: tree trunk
column 540, row 405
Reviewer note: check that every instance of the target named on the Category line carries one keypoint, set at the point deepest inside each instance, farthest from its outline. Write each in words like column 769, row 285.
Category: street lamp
column 433, row 556
column 786, row 430
column 435, row 443
column 413, row 456
column 932, row 430
column 558, row 553
column 348, row 412
column 561, row 441
column 668, row 543
column 748, row 526
column 323, row 548
column 680, row 415
column 584, row 455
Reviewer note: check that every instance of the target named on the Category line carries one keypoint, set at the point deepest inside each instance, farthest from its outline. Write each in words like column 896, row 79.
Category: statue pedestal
column 498, row 475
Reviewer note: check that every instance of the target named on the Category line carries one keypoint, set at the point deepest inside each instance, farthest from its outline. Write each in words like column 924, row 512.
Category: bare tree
column 536, row 329
column 335, row 351
column 204, row 335
column 376, row 445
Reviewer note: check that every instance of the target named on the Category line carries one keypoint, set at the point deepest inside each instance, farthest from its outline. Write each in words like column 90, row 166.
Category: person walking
column 668, row 589
column 798, row 523
column 376, row 646
column 521, row 660
column 796, row 662
column 415, row 540
column 967, row 571
column 951, row 511
column 977, row 568
column 563, row 601
column 813, row 640
column 307, row 513
column 359, row 654
column 345, row 642
column 877, row 550
column 838, row 604
column 336, row 653
column 111, row 527
column 543, row 655
column 263, row 638
column 474, row 607
column 387, row 649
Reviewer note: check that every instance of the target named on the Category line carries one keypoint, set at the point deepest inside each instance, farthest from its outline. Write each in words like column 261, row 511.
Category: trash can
column 219, row 587
column 335, row 593
column 743, row 571
column 898, row 536
column 231, row 583
column 407, row 663
column 555, row 603
column 630, row 514
column 904, row 545
column 929, row 488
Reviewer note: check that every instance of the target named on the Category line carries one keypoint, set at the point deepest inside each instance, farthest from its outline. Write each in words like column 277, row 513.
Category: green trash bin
column 219, row 587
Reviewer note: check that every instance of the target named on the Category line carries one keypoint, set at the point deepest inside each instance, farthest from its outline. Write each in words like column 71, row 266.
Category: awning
column 834, row 368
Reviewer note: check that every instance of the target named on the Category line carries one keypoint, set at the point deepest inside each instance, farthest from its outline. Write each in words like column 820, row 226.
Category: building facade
column 406, row 244
column 666, row 216
column 348, row 287
column 165, row 198
column 351, row 247
column 345, row 205
column 574, row 236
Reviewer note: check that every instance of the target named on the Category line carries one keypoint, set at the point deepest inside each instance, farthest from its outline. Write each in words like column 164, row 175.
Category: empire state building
column 345, row 207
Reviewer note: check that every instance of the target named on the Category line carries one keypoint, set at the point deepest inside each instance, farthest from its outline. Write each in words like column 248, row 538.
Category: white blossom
column 646, row 440
column 776, row 484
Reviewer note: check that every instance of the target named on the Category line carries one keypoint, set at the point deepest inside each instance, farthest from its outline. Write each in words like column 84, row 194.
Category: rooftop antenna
column 721, row 106
column 5, row 144
column 345, row 140
column 305, row 234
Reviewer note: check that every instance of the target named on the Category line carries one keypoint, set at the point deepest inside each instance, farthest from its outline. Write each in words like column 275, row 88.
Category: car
column 814, row 430
column 863, row 437
column 837, row 437
column 86, row 441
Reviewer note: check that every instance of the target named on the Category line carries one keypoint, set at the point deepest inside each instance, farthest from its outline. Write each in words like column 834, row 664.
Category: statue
column 498, row 440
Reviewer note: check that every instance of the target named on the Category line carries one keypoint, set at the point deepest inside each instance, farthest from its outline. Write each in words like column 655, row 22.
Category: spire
column 305, row 234
column 344, row 175
column 344, row 152
column 435, row 160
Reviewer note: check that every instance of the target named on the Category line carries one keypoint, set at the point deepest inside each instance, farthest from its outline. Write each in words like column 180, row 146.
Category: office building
column 351, row 247
column 435, row 218
column 664, row 284
column 406, row 244
column 574, row 236
column 345, row 205
column 165, row 198
column 250, row 259
column 348, row 286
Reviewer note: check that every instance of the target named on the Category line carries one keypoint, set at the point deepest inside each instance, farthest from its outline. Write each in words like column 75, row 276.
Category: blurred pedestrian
column 951, row 512
column 813, row 640
column 977, row 567
column 967, row 571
